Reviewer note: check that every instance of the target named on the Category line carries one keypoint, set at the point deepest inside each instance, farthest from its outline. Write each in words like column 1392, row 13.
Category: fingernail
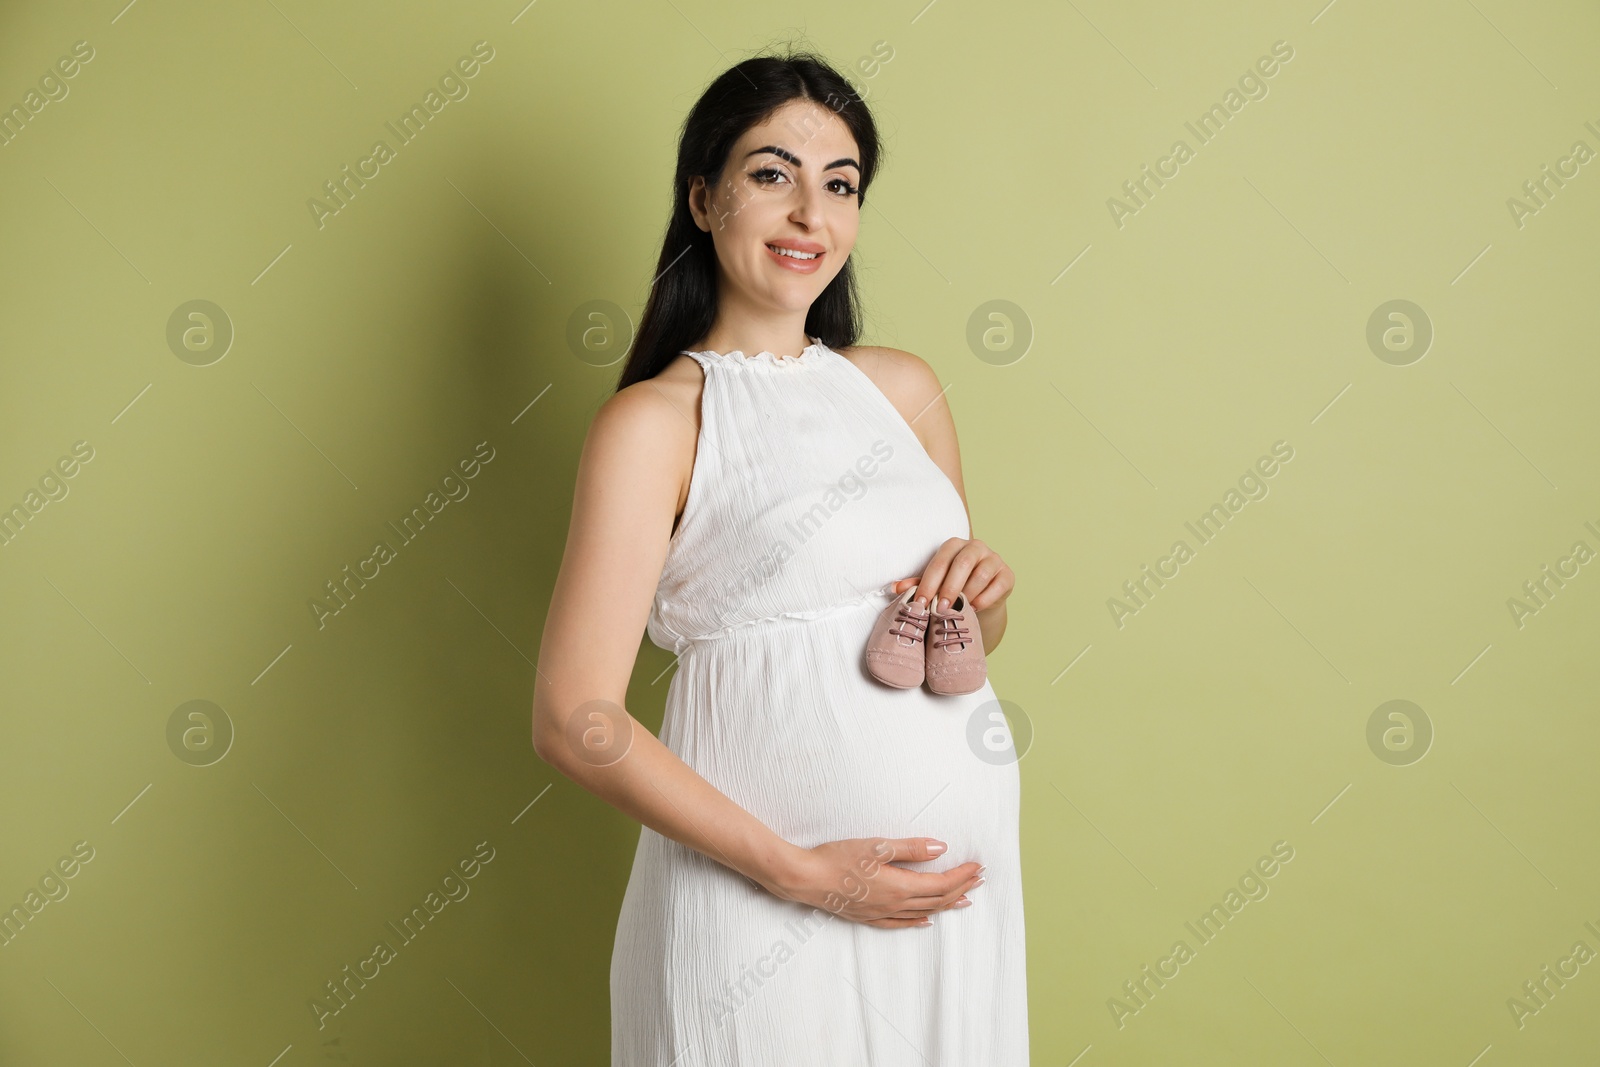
column 962, row 903
column 982, row 868
column 944, row 603
column 979, row 882
column 936, row 847
column 924, row 922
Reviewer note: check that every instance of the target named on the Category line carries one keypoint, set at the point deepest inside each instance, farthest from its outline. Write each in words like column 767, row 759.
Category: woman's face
column 788, row 183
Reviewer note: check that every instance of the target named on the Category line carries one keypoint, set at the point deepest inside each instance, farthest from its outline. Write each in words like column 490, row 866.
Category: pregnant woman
column 828, row 869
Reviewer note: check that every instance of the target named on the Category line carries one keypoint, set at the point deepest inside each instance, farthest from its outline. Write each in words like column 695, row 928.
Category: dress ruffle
column 808, row 355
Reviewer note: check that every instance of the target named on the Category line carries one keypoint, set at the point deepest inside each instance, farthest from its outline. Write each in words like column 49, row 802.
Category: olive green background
column 1132, row 376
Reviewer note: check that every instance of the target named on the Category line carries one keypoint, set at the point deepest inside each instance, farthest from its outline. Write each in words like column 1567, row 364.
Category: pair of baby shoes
column 913, row 643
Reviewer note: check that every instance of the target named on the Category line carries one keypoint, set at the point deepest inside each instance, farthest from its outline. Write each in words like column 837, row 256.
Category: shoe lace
column 918, row 624
column 948, row 631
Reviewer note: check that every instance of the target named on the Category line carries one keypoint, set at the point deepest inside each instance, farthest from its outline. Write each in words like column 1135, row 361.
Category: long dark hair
column 682, row 305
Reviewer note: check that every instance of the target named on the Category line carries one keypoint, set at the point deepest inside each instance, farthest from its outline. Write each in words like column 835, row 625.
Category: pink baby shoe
column 955, row 660
column 894, row 649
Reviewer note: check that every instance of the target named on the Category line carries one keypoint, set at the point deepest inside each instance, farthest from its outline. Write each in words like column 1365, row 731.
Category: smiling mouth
column 792, row 254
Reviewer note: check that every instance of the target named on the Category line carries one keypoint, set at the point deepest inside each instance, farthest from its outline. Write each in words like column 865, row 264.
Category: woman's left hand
column 962, row 566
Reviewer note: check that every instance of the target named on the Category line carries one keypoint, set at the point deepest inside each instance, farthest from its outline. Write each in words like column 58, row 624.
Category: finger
column 928, row 584
column 893, row 923
column 984, row 584
column 936, row 888
column 904, row 913
column 959, row 570
column 940, row 899
column 934, row 574
column 979, row 589
column 909, row 850
column 915, row 581
column 998, row 588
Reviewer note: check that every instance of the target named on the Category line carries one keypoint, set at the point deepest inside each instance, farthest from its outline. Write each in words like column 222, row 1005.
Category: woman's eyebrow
column 790, row 157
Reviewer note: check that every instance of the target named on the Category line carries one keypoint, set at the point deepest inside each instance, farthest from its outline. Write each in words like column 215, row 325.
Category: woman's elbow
column 547, row 737
column 569, row 734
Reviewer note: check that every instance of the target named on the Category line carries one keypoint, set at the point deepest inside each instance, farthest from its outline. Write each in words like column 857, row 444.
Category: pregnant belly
column 819, row 751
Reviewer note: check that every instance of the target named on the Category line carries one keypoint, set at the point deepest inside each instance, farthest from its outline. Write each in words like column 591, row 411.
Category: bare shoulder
column 650, row 428
column 674, row 391
column 904, row 377
column 890, row 365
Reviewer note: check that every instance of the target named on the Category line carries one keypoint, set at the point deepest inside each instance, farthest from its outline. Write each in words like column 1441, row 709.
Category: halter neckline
column 812, row 353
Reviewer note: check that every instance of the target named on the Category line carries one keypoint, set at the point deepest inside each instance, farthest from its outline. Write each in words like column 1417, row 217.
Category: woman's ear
column 697, row 202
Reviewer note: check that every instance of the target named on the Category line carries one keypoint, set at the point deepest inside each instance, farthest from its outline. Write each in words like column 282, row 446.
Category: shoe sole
column 955, row 692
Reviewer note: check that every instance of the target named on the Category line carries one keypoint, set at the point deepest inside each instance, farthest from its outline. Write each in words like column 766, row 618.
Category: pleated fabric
column 810, row 496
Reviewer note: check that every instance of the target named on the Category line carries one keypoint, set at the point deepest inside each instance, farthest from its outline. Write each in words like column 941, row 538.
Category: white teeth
column 793, row 254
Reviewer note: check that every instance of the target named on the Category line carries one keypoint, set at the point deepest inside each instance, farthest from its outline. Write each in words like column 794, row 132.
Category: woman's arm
column 635, row 458
column 623, row 506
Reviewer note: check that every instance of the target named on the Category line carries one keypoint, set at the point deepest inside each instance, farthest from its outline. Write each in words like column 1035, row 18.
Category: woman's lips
column 799, row 266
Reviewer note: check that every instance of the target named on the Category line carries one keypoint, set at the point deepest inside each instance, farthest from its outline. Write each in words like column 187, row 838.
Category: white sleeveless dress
column 810, row 496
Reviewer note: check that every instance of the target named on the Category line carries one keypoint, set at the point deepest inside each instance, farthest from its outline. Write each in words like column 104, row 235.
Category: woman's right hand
column 856, row 880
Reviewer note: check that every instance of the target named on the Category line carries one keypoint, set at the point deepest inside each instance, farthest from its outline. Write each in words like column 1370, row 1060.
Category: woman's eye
column 770, row 176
